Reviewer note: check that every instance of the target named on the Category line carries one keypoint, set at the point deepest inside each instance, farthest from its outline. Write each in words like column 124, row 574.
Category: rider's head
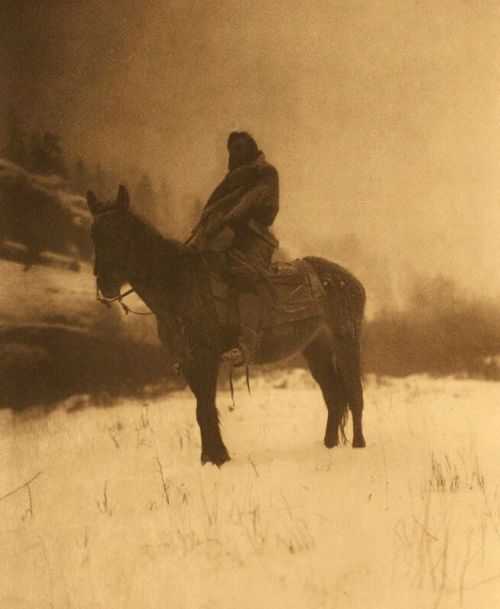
column 242, row 149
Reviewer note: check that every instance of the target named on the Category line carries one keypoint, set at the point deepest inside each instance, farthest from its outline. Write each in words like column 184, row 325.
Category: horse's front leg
column 201, row 376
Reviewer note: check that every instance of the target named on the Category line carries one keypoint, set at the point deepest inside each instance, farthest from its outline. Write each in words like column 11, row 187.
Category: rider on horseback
column 235, row 223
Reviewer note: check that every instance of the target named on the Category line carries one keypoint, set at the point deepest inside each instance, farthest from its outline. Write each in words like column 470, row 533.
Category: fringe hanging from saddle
column 231, row 384
column 231, row 388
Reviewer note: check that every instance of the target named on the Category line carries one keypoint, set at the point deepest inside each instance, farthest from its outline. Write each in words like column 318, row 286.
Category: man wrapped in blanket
column 236, row 222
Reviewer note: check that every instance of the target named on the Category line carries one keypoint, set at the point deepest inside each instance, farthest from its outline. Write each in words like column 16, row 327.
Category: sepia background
column 383, row 120
column 380, row 117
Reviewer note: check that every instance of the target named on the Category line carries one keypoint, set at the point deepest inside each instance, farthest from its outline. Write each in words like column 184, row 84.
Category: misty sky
column 383, row 118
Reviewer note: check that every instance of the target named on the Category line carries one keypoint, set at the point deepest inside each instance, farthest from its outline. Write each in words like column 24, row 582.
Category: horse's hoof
column 218, row 459
column 331, row 442
column 358, row 442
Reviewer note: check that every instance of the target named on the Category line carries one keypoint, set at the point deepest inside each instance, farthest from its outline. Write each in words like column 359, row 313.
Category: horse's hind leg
column 348, row 359
column 319, row 356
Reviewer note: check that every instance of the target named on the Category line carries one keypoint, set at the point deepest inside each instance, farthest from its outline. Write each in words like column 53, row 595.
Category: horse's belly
column 283, row 340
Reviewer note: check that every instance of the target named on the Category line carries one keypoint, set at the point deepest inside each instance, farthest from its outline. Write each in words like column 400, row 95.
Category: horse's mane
column 163, row 246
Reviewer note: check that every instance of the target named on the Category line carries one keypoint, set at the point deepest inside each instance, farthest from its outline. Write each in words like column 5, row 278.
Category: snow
column 123, row 515
column 43, row 294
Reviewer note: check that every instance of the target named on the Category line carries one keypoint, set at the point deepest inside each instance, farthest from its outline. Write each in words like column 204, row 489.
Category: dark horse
column 172, row 280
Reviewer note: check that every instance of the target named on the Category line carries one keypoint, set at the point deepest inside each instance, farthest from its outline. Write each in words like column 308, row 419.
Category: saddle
column 294, row 292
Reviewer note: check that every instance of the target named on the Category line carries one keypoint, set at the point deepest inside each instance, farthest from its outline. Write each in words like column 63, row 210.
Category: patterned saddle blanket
column 295, row 292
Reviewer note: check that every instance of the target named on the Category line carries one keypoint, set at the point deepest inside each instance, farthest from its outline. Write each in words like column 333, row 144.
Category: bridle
column 107, row 301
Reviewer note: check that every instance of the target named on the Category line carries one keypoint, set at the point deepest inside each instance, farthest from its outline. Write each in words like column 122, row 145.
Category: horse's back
column 345, row 294
column 320, row 297
column 294, row 292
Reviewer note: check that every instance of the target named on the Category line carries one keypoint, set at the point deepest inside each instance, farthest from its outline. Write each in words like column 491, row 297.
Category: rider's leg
column 249, row 307
column 244, row 265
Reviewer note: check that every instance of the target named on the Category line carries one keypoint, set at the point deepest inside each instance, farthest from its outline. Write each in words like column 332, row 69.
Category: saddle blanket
column 294, row 292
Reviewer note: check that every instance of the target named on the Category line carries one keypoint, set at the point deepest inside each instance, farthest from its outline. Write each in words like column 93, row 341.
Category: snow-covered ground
column 123, row 515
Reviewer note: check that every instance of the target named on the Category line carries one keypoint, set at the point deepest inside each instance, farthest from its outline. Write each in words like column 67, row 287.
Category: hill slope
column 55, row 339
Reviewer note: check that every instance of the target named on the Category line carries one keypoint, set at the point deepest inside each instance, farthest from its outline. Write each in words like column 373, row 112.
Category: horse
column 172, row 280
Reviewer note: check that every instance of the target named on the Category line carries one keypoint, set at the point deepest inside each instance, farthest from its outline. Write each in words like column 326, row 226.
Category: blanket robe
column 248, row 200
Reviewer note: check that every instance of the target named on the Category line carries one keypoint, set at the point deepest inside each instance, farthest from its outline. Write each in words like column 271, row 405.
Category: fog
column 382, row 118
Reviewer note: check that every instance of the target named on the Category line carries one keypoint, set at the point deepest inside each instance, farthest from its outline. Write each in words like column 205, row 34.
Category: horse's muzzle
column 109, row 285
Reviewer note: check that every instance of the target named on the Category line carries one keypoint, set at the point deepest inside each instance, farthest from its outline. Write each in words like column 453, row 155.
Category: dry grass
column 452, row 474
column 124, row 515
column 446, row 544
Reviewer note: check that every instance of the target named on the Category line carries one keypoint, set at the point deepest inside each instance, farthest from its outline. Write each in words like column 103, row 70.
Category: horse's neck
column 157, row 268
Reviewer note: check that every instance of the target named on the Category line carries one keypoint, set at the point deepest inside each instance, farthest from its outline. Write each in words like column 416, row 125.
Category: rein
column 107, row 302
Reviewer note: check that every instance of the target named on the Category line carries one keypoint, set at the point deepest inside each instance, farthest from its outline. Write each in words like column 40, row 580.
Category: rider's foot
column 236, row 357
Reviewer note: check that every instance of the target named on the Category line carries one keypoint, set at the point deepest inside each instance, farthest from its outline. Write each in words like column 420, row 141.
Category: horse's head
column 111, row 234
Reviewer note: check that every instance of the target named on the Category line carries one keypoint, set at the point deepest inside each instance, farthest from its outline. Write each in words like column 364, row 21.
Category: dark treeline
column 441, row 330
column 37, row 152
column 30, row 202
column 42, row 152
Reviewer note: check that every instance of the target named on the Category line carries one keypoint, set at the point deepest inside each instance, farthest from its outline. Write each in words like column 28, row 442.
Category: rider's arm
column 260, row 202
column 221, row 203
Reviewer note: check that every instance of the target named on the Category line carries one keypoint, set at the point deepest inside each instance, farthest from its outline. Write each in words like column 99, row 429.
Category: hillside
column 56, row 340
column 39, row 213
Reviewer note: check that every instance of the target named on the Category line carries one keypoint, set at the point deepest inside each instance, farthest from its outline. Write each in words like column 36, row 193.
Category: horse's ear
column 122, row 198
column 92, row 202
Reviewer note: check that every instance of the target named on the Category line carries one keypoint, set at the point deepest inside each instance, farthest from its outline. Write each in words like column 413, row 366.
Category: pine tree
column 54, row 154
column 165, row 210
column 36, row 155
column 99, row 180
column 46, row 154
column 165, row 193
column 81, row 179
column 145, row 199
column 15, row 150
